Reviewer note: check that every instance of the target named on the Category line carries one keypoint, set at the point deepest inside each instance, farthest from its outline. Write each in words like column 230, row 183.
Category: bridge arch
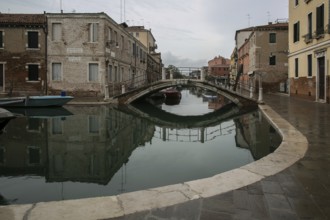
column 134, row 95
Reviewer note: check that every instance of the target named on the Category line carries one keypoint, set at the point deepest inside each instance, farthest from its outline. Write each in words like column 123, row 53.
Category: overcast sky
column 188, row 33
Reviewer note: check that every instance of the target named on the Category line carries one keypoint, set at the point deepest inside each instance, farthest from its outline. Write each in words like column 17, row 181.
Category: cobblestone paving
column 301, row 191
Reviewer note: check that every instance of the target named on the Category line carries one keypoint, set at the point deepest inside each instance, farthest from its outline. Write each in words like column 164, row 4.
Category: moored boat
column 172, row 93
column 35, row 101
column 5, row 117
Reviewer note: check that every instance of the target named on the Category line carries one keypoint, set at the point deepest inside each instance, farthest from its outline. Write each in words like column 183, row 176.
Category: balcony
column 319, row 33
column 308, row 38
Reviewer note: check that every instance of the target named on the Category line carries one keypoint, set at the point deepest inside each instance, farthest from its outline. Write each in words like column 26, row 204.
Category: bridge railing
column 244, row 88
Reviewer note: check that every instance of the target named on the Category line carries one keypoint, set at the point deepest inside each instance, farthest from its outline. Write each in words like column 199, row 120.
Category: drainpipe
column 46, row 53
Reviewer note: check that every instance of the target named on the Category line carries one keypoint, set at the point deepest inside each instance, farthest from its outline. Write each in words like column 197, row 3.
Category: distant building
column 262, row 51
column 145, row 36
column 219, row 67
column 309, row 42
column 23, row 53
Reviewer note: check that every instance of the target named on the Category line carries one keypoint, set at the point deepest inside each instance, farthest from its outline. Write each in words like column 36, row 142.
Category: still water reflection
column 81, row 152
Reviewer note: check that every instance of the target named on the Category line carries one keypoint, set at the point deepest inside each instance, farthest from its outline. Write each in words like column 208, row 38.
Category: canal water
column 89, row 151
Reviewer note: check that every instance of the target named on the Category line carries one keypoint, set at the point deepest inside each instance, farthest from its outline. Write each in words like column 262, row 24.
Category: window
column 1, row 39
column 116, row 37
column 296, row 2
column 296, row 67
column 122, row 74
column 93, row 124
column 320, row 20
column 56, row 31
column 2, row 76
column 34, row 155
column 115, row 74
column 2, row 155
column 33, row 72
column 93, row 32
column 122, row 42
column 309, row 65
column 310, row 25
column 109, row 34
column 272, row 60
column 57, row 126
column 272, row 38
column 137, row 34
column 110, row 74
column 93, row 74
column 33, row 41
column 296, row 31
column 57, row 71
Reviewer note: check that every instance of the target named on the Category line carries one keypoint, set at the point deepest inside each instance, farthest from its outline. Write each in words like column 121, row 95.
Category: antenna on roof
column 249, row 18
column 122, row 11
column 268, row 15
column 61, row 6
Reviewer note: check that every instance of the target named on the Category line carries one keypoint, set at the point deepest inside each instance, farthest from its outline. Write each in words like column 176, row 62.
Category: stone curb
column 293, row 147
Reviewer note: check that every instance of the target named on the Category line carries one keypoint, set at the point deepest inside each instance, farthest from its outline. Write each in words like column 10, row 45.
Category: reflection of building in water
column 89, row 146
column 96, row 151
column 255, row 133
column 23, row 147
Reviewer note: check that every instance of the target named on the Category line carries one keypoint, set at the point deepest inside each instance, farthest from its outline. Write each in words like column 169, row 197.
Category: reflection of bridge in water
column 194, row 134
column 201, row 128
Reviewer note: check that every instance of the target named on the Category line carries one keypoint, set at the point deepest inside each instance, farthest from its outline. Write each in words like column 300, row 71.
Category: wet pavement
column 301, row 191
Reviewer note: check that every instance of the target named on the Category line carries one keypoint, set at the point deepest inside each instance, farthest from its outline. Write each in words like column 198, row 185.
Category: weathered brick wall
column 306, row 88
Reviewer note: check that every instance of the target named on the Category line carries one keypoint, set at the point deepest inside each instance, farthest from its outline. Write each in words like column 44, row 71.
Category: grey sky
column 188, row 33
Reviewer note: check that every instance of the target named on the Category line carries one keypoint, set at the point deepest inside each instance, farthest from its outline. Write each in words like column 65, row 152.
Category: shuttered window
column 33, row 41
column 93, row 32
column 296, row 66
column 310, row 65
column 56, row 31
column 296, row 31
column 33, row 72
column 1, row 39
column 320, row 20
column 57, row 71
column 93, row 74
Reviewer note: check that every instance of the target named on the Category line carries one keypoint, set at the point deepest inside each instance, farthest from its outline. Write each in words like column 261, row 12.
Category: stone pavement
column 301, row 191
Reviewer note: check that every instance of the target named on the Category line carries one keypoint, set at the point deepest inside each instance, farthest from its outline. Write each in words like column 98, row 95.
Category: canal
column 89, row 151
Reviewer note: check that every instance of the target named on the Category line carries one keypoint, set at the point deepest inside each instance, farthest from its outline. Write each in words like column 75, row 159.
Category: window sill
column 32, row 81
column 33, row 49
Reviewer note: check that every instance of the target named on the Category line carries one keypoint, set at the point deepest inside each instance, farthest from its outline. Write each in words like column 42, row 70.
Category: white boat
column 35, row 101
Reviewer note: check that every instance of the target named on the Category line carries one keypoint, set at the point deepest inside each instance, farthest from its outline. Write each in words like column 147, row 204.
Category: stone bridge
column 133, row 95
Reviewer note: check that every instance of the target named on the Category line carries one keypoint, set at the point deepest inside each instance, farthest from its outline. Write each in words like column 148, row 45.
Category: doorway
column 321, row 79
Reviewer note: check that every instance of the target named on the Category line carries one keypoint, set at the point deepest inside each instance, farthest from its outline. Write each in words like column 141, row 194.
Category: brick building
column 23, row 54
column 219, row 67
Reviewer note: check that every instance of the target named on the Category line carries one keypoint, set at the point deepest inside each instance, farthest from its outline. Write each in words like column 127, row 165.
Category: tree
column 176, row 72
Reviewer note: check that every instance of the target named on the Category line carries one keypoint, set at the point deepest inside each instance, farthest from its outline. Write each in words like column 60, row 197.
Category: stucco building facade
column 89, row 54
column 263, row 54
column 309, row 42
